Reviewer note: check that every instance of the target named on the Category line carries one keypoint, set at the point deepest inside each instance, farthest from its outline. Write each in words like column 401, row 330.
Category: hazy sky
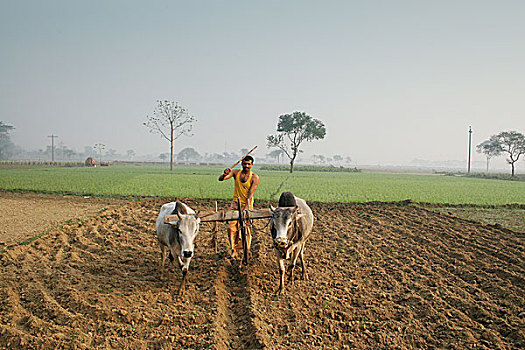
column 391, row 80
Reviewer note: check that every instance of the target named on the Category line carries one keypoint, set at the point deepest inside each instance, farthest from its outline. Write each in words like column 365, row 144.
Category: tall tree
column 512, row 143
column 6, row 146
column 490, row 148
column 170, row 120
column 292, row 130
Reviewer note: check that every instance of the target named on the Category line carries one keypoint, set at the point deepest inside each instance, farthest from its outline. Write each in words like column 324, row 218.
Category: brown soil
column 382, row 276
column 25, row 215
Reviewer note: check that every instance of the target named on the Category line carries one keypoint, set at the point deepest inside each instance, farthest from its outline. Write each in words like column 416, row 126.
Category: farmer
column 246, row 183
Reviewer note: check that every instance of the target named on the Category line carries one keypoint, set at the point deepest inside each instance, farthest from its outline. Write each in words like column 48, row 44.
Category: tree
column 188, row 154
column 130, row 153
column 111, row 154
column 512, row 143
column 276, row 153
column 100, row 147
column 338, row 158
column 318, row 158
column 490, row 148
column 171, row 121
column 292, row 130
column 6, row 146
column 69, row 154
column 163, row 156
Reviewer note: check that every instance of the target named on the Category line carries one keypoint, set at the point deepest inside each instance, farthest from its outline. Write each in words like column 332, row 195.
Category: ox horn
column 197, row 214
column 178, row 214
column 272, row 208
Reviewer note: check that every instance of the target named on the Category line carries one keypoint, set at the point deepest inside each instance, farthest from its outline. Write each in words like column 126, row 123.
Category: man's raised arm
column 226, row 175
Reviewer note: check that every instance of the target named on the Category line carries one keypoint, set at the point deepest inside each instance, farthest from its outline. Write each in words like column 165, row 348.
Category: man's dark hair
column 248, row 158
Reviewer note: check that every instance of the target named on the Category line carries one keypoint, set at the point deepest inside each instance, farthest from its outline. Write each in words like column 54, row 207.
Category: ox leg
column 183, row 281
column 303, row 263
column 295, row 255
column 282, row 272
column 162, row 255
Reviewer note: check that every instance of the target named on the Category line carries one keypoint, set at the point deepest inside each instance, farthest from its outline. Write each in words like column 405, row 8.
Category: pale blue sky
column 392, row 80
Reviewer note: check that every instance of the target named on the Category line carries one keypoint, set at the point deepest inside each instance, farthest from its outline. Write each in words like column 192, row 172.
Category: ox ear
column 272, row 209
column 198, row 221
column 175, row 224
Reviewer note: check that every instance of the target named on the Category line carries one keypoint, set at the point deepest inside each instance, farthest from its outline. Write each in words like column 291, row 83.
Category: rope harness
column 254, row 230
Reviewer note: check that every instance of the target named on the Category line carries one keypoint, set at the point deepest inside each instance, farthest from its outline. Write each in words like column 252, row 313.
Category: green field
column 201, row 182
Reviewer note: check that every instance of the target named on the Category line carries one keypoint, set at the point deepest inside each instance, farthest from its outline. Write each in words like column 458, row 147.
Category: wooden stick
column 214, row 234
column 233, row 166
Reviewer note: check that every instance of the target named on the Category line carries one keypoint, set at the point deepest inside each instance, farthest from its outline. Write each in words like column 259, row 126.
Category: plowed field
column 382, row 276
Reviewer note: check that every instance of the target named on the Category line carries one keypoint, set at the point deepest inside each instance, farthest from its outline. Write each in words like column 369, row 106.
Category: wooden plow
column 241, row 216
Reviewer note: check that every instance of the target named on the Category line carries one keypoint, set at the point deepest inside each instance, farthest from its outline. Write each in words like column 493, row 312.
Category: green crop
column 201, row 182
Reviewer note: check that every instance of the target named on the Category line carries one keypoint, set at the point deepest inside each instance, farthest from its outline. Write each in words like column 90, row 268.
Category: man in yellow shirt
column 246, row 183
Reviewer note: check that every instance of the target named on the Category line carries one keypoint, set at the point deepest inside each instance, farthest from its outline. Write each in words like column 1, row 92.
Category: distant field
column 201, row 182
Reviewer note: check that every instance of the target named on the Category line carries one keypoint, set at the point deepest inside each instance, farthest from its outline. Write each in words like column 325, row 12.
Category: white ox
column 290, row 226
column 178, row 236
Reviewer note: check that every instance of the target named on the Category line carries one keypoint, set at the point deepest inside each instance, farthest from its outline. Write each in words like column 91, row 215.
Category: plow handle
column 242, row 228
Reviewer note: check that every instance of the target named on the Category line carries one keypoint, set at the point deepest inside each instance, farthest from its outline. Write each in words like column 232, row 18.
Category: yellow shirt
column 242, row 189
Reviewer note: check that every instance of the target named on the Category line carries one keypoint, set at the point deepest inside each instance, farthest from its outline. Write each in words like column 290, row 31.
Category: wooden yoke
column 225, row 215
column 228, row 215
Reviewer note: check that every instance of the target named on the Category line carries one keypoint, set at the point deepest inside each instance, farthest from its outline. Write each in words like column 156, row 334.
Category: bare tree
column 171, row 121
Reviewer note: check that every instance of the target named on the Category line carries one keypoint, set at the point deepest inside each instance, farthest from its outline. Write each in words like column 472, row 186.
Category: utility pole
column 52, row 146
column 469, row 147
